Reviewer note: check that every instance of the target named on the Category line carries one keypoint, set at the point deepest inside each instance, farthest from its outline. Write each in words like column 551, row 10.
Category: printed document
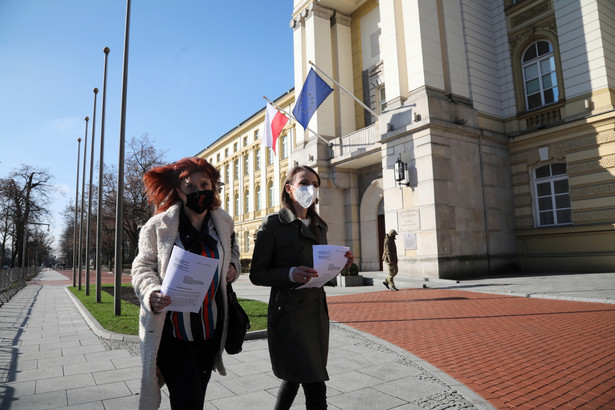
column 329, row 260
column 187, row 280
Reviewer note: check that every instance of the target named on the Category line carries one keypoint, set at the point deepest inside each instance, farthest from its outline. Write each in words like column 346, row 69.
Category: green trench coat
column 298, row 320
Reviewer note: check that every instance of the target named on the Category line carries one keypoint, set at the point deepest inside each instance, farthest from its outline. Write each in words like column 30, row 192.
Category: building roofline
column 292, row 90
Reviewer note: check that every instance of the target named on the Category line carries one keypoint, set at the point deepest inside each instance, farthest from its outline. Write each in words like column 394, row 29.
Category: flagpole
column 290, row 116
column 345, row 90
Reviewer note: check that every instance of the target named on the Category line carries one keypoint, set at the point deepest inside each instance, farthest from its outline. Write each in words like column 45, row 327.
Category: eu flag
column 313, row 93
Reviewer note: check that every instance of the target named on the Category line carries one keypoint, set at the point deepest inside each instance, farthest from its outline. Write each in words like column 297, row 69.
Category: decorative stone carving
column 320, row 11
column 592, row 191
column 590, row 166
column 593, row 216
column 560, row 149
column 529, row 14
column 341, row 19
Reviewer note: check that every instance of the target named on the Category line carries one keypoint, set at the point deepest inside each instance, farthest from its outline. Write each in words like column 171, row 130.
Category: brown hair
column 287, row 201
column 161, row 183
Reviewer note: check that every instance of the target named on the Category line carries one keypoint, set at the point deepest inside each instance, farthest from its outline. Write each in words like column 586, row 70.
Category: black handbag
column 238, row 323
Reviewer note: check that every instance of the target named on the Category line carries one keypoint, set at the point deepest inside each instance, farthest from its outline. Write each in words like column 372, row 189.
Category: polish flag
column 274, row 124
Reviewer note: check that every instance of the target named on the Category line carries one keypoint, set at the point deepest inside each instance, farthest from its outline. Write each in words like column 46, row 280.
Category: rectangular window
column 553, row 203
column 285, row 147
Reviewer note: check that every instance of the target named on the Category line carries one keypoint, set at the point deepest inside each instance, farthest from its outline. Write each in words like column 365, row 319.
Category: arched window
column 227, row 170
column 259, row 202
column 284, row 147
column 270, row 155
column 236, row 204
column 257, row 159
column 246, row 165
column 227, row 203
column 271, row 194
column 236, row 169
column 539, row 75
column 246, row 201
column 552, row 199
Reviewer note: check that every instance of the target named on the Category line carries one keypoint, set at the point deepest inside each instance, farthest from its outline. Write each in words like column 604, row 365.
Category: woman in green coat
column 298, row 319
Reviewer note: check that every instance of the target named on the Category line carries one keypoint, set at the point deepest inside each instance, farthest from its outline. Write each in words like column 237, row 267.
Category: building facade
column 489, row 143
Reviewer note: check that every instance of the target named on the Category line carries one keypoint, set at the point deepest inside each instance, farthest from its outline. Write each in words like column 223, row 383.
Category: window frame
column 551, row 179
column 537, row 62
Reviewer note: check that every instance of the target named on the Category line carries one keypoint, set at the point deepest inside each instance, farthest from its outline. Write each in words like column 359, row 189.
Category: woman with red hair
column 182, row 348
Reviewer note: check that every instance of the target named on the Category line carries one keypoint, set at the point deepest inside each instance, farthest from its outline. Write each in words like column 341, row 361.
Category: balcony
column 357, row 149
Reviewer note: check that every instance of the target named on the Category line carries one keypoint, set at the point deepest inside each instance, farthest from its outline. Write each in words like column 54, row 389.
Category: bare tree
column 25, row 195
column 141, row 156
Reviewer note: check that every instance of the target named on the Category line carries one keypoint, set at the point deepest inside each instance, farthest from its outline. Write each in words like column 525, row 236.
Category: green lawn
column 128, row 321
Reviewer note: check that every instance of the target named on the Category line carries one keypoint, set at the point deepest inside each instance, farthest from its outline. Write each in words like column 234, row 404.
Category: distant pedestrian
column 298, row 319
column 182, row 348
column 389, row 256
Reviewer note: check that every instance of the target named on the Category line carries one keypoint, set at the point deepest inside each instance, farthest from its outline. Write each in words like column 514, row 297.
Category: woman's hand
column 231, row 274
column 350, row 260
column 302, row 274
column 159, row 301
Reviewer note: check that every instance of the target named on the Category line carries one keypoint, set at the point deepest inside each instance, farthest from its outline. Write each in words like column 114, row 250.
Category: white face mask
column 305, row 195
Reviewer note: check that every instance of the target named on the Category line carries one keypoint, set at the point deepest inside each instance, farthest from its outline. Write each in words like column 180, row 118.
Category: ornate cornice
column 530, row 31
column 320, row 11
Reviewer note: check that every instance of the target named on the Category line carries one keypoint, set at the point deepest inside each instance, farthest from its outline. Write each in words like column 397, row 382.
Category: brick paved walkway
column 105, row 278
column 515, row 352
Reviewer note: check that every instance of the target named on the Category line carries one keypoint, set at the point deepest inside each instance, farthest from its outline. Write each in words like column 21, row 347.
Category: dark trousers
column 186, row 368
column 315, row 395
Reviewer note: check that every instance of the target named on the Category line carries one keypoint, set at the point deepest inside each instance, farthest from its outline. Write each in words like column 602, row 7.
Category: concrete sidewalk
column 52, row 358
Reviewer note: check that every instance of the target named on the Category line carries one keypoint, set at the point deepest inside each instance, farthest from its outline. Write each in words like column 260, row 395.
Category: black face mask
column 200, row 201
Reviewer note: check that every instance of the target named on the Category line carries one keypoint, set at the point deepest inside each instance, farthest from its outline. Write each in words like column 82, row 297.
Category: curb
column 97, row 327
column 106, row 334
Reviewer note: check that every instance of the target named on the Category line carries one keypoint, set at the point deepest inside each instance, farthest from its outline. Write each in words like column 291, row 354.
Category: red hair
column 161, row 183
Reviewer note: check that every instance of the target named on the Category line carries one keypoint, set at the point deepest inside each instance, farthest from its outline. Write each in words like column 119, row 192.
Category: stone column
column 342, row 73
column 393, row 52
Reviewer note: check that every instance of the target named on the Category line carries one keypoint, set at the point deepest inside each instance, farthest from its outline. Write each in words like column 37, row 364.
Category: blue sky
column 196, row 69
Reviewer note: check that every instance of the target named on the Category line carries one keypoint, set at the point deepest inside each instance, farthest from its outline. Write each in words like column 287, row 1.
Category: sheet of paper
column 329, row 260
column 187, row 280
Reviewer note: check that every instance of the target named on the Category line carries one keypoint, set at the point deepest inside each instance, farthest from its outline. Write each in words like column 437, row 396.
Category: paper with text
column 329, row 260
column 187, row 280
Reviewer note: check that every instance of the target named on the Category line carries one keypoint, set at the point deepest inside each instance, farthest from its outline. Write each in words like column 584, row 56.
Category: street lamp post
column 100, row 184
column 75, row 222
column 87, row 238
column 85, row 144
column 119, row 209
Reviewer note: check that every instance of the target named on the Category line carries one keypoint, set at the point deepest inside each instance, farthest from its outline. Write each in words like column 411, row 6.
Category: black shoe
column 394, row 288
column 386, row 284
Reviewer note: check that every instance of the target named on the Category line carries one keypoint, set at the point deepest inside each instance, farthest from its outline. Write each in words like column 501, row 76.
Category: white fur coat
column 156, row 242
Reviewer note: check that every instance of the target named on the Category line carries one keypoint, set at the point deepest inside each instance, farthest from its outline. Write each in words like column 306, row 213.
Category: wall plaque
column 409, row 220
